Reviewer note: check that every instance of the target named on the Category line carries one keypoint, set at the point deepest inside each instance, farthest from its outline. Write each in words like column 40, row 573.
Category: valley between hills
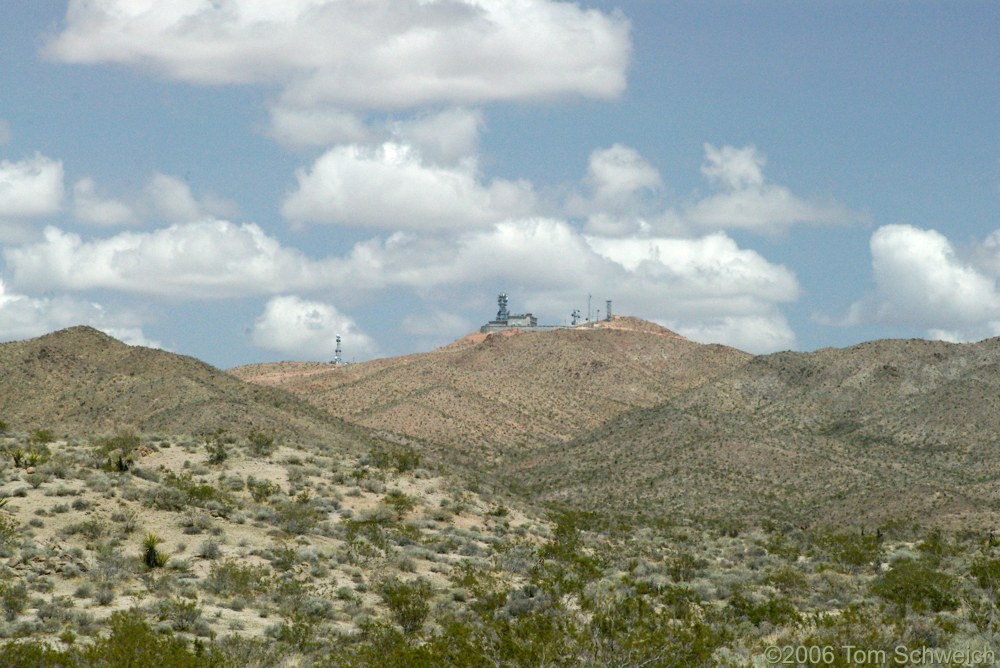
column 605, row 495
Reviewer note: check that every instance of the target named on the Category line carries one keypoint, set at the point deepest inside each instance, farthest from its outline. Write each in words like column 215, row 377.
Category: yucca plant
column 151, row 556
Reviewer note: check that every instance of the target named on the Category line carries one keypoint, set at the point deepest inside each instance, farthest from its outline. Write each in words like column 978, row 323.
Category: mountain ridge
column 82, row 379
column 507, row 392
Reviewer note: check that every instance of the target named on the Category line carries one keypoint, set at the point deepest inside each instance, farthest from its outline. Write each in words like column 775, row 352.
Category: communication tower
column 337, row 358
column 576, row 316
column 607, row 310
column 502, row 312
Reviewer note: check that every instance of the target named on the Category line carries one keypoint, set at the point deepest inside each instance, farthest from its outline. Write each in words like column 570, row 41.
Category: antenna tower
column 576, row 316
column 502, row 310
column 337, row 359
column 607, row 310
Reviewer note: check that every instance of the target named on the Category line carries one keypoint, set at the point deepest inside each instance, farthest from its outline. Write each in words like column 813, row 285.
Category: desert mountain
column 81, row 379
column 885, row 429
column 491, row 397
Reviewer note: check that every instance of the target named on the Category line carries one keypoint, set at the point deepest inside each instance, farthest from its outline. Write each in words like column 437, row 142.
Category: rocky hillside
column 885, row 429
column 491, row 397
column 80, row 379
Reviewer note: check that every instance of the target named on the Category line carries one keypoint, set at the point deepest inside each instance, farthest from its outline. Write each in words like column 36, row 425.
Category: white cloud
column 922, row 282
column 377, row 54
column 447, row 137
column 435, row 323
column 734, row 168
column 710, row 277
column 616, row 174
column 316, row 127
column 308, row 329
column 206, row 259
column 392, row 187
column 23, row 317
column 747, row 201
column 170, row 198
column 706, row 286
column 622, row 193
column 163, row 198
column 756, row 333
column 31, row 187
column 5, row 132
column 90, row 207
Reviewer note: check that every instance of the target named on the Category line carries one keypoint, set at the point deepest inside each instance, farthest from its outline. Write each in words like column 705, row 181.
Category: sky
column 244, row 180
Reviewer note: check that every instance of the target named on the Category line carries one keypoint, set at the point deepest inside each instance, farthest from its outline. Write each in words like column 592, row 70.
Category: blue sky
column 242, row 180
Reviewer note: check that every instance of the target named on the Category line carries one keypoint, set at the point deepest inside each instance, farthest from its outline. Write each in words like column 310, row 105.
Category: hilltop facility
column 527, row 321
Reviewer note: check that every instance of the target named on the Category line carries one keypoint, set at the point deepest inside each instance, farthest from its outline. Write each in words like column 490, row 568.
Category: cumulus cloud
column 90, row 207
column 163, row 198
column 436, row 323
column 623, row 196
column 378, row 54
column 622, row 189
column 447, row 137
column 170, row 198
column 921, row 281
column 23, row 317
column 392, row 187
column 618, row 173
column 31, row 187
column 747, row 201
column 205, row 259
column 299, row 128
column 308, row 329
column 763, row 333
column 705, row 286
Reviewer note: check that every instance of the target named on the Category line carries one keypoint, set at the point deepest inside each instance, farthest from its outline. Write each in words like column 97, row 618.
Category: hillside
column 80, row 379
column 163, row 549
column 885, row 429
column 491, row 397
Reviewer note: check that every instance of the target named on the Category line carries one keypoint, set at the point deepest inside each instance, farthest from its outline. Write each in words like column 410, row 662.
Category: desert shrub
column 132, row 642
column 399, row 502
column 118, row 452
column 862, row 627
column 210, row 550
column 299, row 515
column 684, row 567
column 13, row 598
column 128, row 519
column 231, row 578
column 777, row 611
column 788, row 579
column 402, row 458
column 936, row 546
column 915, row 585
column 409, row 602
column 261, row 490
column 852, row 550
column 260, row 443
column 36, row 479
column 4, row 426
column 8, row 529
column 180, row 614
column 42, row 437
column 217, row 452
column 92, row 529
column 985, row 568
column 151, row 555
column 181, row 490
